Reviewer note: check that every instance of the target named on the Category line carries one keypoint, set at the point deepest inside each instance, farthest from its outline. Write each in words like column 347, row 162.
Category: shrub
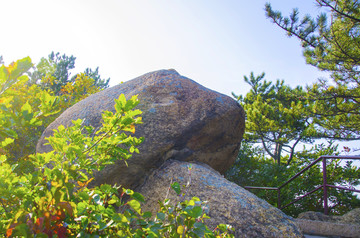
column 54, row 199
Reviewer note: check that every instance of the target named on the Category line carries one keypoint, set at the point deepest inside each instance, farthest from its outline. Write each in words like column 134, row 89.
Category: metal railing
column 324, row 186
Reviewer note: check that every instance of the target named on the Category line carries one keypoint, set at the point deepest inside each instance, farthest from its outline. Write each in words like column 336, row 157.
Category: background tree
column 330, row 110
column 278, row 119
column 254, row 168
column 27, row 91
column 54, row 73
column 275, row 117
column 331, row 42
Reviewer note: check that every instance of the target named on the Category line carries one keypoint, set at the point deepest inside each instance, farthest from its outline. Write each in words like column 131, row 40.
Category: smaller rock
column 316, row 216
column 352, row 217
column 328, row 229
column 316, row 223
column 228, row 203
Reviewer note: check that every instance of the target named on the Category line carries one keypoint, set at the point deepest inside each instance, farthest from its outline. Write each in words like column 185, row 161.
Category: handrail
column 324, row 186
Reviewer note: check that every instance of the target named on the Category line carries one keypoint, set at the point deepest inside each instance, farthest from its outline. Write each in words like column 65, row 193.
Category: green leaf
column 118, row 217
column 6, row 142
column 113, row 201
column 194, row 211
column 180, row 230
column 120, row 103
column 147, row 214
column 81, row 207
column 84, row 222
column 176, row 187
column 138, row 196
column 4, row 75
column 200, row 225
column 105, row 188
column 128, row 191
column 35, row 122
column 21, row 66
column 161, row 216
column 84, row 176
column 26, row 107
column 135, row 205
column 98, row 217
column 104, row 226
column 83, row 195
column 199, row 232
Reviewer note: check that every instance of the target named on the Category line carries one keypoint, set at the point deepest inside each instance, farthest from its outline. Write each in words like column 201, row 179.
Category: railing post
column 279, row 200
column 326, row 211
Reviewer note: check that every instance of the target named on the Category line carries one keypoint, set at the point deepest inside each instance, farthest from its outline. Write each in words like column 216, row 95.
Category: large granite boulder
column 182, row 120
column 228, row 203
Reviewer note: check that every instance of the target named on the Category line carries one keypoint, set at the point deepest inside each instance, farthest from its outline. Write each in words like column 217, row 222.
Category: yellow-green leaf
column 180, row 230
column 135, row 205
column 26, row 107
column 6, row 142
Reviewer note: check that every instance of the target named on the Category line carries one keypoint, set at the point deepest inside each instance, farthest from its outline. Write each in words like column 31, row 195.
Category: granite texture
column 227, row 203
column 182, row 120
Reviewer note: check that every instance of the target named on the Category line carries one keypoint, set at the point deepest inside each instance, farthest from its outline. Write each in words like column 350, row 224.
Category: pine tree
column 275, row 117
column 54, row 73
column 331, row 42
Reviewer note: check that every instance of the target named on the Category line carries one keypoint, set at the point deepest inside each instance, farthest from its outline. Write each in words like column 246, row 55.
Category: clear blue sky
column 212, row 42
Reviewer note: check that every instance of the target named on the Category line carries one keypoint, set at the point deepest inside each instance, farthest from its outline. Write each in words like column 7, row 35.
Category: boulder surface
column 316, row 223
column 228, row 203
column 182, row 120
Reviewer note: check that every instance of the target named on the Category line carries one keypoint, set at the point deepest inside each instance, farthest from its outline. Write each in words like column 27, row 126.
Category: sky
column 212, row 42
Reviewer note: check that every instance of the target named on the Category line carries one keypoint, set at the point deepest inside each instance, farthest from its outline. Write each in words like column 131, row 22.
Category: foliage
column 22, row 98
column 38, row 201
column 54, row 199
column 253, row 168
column 185, row 219
column 275, row 117
column 278, row 116
column 331, row 45
column 54, row 73
column 98, row 82
column 80, row 88
column 336, row 111
column 24, row 109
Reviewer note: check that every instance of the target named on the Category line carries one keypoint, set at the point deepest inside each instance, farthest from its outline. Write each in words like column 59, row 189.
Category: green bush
column 253, row 168
column 54, row 200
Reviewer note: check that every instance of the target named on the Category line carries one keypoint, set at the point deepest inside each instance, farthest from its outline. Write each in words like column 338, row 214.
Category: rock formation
column 352, row 217
column 182, row 120
column 316, row 223
column 228, row 203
